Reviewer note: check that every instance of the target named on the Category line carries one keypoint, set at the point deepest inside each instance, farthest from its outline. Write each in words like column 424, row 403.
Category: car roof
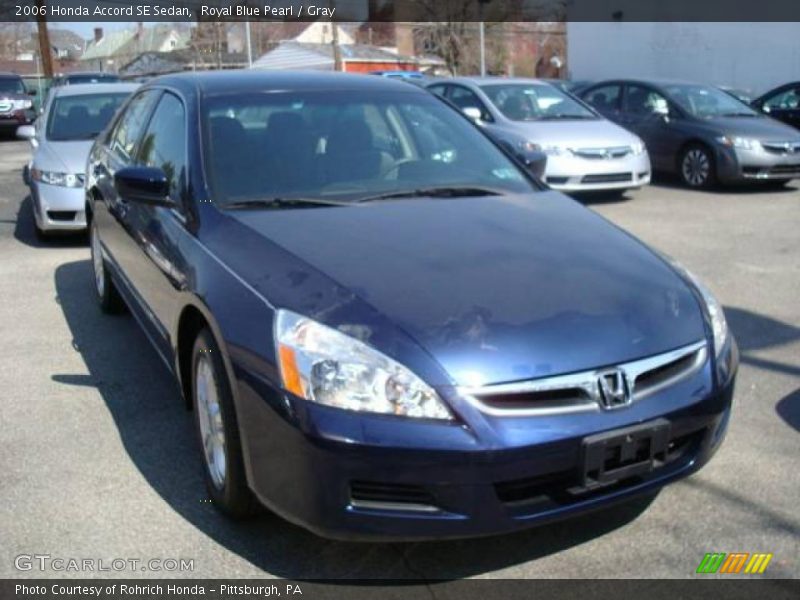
column 10, row 75
column 84, row 89
column 211, row 83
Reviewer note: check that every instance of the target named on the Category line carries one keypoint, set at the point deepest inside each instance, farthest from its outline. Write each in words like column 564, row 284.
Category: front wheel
column 697, row 168
column 218, row 431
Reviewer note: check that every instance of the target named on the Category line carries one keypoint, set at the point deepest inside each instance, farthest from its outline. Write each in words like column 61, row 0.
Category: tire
column 776, row 184
column 106, row 292
column 696, row 167
column 218, row 431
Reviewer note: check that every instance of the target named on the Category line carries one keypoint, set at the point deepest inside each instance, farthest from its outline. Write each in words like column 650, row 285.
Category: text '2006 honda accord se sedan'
column 385, row 326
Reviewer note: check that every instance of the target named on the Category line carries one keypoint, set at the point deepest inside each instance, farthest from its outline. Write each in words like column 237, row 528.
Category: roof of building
column 108, row 45
column 302, row 55
column 160, row 63
column 134, row 41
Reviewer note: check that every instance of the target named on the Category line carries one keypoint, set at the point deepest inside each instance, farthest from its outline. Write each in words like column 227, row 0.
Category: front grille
column 775, row 171
column 565, row 487
column 602, row 153
column 785, row 170
column 782, row 148
column 391, row 496
column 61, row 215
column 607, row 178
column 581, row 391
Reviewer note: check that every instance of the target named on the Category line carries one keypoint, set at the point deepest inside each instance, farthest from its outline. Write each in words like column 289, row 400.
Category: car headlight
column 56, row 178
column 740, row 142
column 548, row 149
column 637, row 147
column 22, row 104
column 326, row 366
column 716, row 316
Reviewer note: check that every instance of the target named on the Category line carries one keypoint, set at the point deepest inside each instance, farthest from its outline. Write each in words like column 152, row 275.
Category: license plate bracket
column 619, row 454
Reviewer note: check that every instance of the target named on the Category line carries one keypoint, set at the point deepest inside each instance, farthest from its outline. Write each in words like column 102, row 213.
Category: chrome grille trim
column 602, row 153
column 587, row 383
column 782, row 148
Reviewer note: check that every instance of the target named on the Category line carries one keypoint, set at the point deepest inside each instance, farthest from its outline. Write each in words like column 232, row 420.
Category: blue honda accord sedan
column 385, row 326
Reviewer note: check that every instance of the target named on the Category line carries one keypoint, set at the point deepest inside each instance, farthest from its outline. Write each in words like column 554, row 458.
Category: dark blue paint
column 501, row 288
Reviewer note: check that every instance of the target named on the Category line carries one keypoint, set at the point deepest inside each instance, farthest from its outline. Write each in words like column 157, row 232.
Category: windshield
column 705, row 101
column 535, row 101
column 345, row 146
column 12, row 85
column 81, row 117
column 90, row 78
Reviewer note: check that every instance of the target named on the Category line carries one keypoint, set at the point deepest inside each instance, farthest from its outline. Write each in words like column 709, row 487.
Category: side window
column 439, row 90
column 788, row 100
column 164, row 143
column 130, row 125
column 643, row 101
column 604, row 98
column 466, row 98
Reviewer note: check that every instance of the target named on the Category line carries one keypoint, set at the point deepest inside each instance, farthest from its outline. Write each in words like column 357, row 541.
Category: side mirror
column 534, row 161
column 147, row 185
column 472, row 112
column 32, row 92
column 26, row 132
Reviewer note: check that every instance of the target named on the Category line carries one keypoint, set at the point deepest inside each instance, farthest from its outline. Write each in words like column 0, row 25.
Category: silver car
column 585, row 151
column 61, row 140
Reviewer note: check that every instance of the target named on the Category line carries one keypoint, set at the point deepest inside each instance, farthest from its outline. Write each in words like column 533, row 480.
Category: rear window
column 81, row 117
column 12, row 85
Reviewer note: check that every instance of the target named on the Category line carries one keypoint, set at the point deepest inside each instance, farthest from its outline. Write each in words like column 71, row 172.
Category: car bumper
column 58, row 208
column 369, row 477
column 10, row 121
column 743, row 165
column 571, row 173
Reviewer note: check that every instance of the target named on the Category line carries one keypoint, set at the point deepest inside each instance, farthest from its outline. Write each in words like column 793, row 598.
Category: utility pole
column 44, row 40
column 337, row 52
column 249, row 44
column 482, row 35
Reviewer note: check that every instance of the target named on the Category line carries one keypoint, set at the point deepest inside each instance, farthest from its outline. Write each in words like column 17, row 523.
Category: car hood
column 761, row 128
column 67, row 157
column 495, row 289
column 582, row 133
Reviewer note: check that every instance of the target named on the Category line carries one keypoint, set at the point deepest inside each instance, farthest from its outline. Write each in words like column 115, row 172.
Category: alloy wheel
column 209, row 416
column 696, row 167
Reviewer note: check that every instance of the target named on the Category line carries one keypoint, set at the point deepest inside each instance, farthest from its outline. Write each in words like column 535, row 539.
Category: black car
column 385, row 326
column 782, row 103
column 16, row 105
column 700, row 132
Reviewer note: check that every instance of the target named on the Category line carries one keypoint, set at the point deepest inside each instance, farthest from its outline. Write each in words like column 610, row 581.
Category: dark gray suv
column 700, row 132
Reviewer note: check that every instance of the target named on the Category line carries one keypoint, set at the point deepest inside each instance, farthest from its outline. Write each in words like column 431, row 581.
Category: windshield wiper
column 739, row 114
column 435, row 192
column 281, row 202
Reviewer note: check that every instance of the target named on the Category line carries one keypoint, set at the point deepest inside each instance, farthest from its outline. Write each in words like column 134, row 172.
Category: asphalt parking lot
column 98, row 458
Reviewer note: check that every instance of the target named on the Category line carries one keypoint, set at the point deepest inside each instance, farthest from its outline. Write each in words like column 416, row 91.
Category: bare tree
column 14, row 37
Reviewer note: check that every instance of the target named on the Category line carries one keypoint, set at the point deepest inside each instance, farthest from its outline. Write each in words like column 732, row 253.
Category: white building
column 750, row 56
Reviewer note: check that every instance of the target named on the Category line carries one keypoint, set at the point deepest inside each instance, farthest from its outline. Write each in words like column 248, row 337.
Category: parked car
column 385, row 327
column 16, row 106
column 61, row 141
column 78, row 77
column 585, row 151
column 782, row 103
column 700, row 132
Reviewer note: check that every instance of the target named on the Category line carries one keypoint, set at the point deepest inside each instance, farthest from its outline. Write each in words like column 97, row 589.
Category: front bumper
column 11, row 120
column 373, row 477
column 58, row 208
column 571, row 173
column 737, row 165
